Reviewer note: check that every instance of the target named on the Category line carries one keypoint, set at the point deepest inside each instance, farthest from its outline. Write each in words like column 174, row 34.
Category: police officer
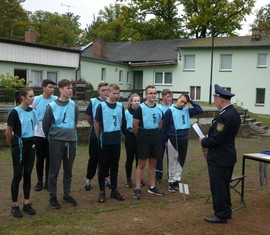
column 221, row 158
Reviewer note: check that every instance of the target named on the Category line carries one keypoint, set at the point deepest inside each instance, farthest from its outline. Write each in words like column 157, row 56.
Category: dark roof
column 241, row 41
column 141, row 51
column 30, row 44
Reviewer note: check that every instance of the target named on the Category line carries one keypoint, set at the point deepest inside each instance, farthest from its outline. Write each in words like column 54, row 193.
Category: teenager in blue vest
column 93, row 142
column 109, row 117
column 42, row 143
column 175, row 128
column 59, row 126
column 167, row 97
column 20, row 138
column 147, row 121
column 130, row 139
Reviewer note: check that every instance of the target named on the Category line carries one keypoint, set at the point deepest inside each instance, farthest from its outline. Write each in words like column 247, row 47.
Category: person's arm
column 135, row 126
column 89, row 119
column 89, row 114
column 195, row 110
column 47, row 120
column 97, row 128
column 9, row 136
column 76, row 114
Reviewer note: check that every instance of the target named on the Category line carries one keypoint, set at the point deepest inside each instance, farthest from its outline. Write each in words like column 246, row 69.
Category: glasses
column 104, row 90
column 152, row 93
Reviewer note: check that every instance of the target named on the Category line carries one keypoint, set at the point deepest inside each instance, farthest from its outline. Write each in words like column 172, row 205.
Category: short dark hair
column 186, row 96
column 149, row 86
column 101, row 84
column 46, row 82
column 63, row 83
column 166, row 92
column 22, row 92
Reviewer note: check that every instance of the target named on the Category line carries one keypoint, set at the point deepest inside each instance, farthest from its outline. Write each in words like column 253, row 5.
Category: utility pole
column 212, row 60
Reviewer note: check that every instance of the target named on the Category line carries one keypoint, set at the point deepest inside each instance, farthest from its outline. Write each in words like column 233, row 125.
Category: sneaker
column 137, row 193
column 129, row 183
column 102, row 196
column 16, row 212
column 39, row 186
column 176, row 185
column 108, row 183
column 70, row 200
column 87, row 185
column 29, row 209
column 171, row 187
column 142, row 183
column 54, row 203
column 116, row 195
column 155, row 191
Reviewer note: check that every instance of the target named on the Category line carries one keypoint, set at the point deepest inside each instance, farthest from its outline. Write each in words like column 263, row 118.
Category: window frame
column 221, row 69
column 185, row 64
column 262, row 65
column 34, row 82
column 163, row 78
column 121, row 76
column 52, row 79
column 103, row 74
column 256, row 101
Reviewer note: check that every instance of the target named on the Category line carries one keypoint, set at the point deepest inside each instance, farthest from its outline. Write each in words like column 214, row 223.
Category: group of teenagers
column 45, row 126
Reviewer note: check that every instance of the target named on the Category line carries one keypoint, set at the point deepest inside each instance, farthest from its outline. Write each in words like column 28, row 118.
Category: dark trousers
column 181, row 146
column 23, row 169
column 43, row 155
column 219, row 183
column 131, row 152
column 159, row 165
column 109, row 159
column 61, row 151
column 93, row 159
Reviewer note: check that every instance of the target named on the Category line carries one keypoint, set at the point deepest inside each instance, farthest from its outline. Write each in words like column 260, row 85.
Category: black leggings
column 131, row 152
column 22, row 168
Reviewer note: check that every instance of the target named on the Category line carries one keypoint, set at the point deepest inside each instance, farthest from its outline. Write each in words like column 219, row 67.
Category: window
column 195, row 92
column 189, row 62
column 36, row 78
column 52, row 76
column 260, row 96
column 103, row 74
column 120, row 76
column 262, row 61
column 225, row 62
column 163, row 78
column 128, row 77
column 21, row 73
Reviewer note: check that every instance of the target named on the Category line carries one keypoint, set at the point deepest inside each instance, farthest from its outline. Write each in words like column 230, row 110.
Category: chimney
column 256, row 34
column 99, row 49
column 30, row 36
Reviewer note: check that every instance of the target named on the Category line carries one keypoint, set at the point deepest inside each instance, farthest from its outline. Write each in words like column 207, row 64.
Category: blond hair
column 131, row 99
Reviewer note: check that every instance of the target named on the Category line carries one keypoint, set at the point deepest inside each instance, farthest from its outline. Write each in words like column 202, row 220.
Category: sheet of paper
column 197, row 129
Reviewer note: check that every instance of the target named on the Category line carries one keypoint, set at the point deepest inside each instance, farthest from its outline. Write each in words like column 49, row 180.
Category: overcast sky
column 87, row 8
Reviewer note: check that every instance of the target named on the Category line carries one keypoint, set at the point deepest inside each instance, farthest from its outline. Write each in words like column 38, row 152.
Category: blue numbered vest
column 64, row 116
column 163, row 108
column 41, row 104
column 95, row 103
column 28, row 121
column 112, row 118
column 181, row 118
column 129, row 120
column 151, row 116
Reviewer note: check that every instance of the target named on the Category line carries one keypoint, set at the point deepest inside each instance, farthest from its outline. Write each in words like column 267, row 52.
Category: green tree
column 13, row 19
column 56, row 29
column 225, row 16
column 262, row 20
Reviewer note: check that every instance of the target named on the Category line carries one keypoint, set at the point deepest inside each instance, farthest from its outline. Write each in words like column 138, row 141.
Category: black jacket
column 221, row 138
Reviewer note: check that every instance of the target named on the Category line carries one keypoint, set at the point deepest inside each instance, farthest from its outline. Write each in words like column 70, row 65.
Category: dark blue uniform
column 221, row 158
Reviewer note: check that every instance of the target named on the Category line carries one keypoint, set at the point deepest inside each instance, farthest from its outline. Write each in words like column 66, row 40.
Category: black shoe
column 176, row 185
column 16, row 212
column 155, row 191
column 70, row 200
column 29, row 209
column 116, row 195
column 39, row 186
column 46, row 186
column 87, row 185
column 172, row 188
column 101, row 197
column 137, row 193
column 216, row 220
column 54, row 203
